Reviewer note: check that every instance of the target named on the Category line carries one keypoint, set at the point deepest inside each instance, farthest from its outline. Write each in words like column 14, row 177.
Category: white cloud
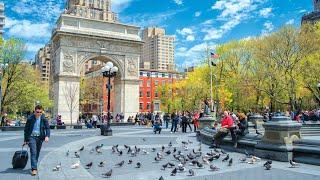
column 290, row 22
column 179, row 2
column 34, row 47
column 268, row 27
column 187, row 33
column 265, row 12
column 197, row 14
column 190, row 38
column 232, row 13
column 120, row 5
column 27, row 29
column 195, row 54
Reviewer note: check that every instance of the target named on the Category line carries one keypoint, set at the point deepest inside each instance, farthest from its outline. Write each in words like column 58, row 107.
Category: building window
column 156, row 94
column 148, row 106
column 156, row 83
column 141, row 73
column 141, row 83
column 148, row 94
column 148, row 83
column 148, row 74
column 157, row 106
column 140, row 106
column 141, row 94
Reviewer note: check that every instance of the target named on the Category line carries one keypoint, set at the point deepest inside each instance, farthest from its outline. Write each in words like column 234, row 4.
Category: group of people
column 235, row 124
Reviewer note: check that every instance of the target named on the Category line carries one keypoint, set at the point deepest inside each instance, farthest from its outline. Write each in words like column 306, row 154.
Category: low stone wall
column 304, row 151
column 12, row 128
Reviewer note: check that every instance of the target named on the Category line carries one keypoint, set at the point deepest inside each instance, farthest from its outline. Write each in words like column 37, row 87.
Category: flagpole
column 211, row 93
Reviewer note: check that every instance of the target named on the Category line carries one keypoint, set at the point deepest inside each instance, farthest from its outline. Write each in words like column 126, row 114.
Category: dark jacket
column 243, row 127
column 44, row 127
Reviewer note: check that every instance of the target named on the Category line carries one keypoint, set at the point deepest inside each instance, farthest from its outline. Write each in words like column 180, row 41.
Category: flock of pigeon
column 178, row 160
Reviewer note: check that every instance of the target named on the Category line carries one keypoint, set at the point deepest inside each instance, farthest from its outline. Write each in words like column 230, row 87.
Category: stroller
column 157, row 127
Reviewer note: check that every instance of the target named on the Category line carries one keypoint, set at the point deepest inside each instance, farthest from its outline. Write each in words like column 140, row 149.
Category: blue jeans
column 174, row 127
column 35, row 144
column 167, row 124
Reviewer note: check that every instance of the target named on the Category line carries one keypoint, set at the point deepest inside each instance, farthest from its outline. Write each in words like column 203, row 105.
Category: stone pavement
column 72, row 140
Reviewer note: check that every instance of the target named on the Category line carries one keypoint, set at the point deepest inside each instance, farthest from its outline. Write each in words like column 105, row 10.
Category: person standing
column 184, row 122
column 36, row 131
column 166, row 119
column 3, row 119
column 175, row 120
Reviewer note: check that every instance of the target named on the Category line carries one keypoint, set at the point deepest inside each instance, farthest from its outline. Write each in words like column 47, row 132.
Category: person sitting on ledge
column 223, row 131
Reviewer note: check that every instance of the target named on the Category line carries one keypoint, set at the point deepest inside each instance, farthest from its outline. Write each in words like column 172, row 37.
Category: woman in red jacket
column 196, row 117
column 226, row 126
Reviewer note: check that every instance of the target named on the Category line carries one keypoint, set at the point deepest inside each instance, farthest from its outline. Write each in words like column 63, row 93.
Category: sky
column 196, row 24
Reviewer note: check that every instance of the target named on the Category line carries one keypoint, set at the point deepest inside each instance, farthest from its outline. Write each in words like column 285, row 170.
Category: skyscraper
column 92, row 9
column 2, row 18
column 316, row 5
column 314, row 16
column 158, row 49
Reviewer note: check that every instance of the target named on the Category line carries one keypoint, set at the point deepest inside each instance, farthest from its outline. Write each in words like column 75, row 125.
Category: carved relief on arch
column 132, row 66
column 68, row 62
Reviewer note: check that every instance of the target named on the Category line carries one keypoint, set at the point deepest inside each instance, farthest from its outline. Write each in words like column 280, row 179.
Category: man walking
column 36, row 131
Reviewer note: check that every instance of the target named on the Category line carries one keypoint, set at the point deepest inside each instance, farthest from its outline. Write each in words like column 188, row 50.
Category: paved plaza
column 63, row 140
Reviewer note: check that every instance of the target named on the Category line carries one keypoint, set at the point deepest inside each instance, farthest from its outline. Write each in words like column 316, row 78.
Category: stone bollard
column 206, row 121
column 279, row 134
column 257, row 120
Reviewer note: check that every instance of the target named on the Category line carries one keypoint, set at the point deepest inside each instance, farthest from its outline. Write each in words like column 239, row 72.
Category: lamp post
column 2, row 68
column 108, row 71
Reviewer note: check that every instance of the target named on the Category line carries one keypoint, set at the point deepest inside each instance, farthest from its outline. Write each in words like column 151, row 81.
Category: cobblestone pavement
column 63, row 140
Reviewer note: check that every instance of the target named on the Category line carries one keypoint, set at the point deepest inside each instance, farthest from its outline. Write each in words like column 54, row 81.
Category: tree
column 71, row 91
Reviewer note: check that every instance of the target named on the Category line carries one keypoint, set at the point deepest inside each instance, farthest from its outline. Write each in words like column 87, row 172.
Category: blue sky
column 195, row 23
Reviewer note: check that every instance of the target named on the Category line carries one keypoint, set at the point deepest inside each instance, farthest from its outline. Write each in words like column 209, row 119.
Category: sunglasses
column 38, row 112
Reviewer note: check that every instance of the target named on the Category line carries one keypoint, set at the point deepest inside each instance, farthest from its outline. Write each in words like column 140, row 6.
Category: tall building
column 316, row 5
column 2, row 18
column 314, row 16
column 157, row 50
column 92, row 9
column 43, row 62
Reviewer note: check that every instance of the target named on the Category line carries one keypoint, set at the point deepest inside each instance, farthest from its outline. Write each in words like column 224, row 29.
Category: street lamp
column 2, row 68
column 108, row 71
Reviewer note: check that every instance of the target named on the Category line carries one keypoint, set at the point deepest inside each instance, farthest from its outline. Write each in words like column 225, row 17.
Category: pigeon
column 92, row 150
column 76, row 154
column 257, row 132
column 186, row 148
column 168, row 152
column 205, row 161
column 230, row 162
column 157, row 159
column 75, row 165
column 268, row 166
column 125, row 146
column 120, row 153
column 293, row 164
column 138, row 165
column 145, row 152
column 214, row 168
column 68, row 152
column 130, row 161
column 143, row 139
column 243, row 159
column 184, row 142
column 174, row 172
column 246, row 153
column 190, row 142
column 153, row 150
column 199, row 165
column 171, row 164
column 161, row 178
column 191, row 172
column 120, row 164
column 216, row 150
column 57, row 168
column 170, row 144
column 226, row 158
column 266, row 163
column 223, row 152
column 164, row 166
column 162, row 148
column 129, row 150
column 193, row 163
column 102, row 163
column 88, row 166
column 174, row 150
column 217, row 156
column 81, row 149
column 181, row 168
column 107, row 174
